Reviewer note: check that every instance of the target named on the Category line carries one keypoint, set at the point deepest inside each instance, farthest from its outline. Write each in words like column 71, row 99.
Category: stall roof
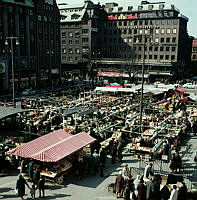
column 53, row 146
column 73, row 110
column 113, row 89
column 7, row 111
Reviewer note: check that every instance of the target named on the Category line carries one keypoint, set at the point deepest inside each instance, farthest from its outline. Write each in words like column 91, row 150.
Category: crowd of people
column 149, row 186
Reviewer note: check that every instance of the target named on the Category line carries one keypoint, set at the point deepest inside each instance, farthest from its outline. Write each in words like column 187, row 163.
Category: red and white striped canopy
column 53, row 146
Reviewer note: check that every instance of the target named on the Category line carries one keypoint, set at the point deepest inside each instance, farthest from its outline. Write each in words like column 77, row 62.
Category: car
column 189, row 86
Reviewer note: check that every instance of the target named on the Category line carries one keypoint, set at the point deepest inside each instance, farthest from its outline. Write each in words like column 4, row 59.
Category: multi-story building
column 194, row 56
column 37, row 57
column 125, row 38
column 153, row 34
column 81, row 31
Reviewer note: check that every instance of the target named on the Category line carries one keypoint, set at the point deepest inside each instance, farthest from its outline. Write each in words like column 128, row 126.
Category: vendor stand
column 55, row 151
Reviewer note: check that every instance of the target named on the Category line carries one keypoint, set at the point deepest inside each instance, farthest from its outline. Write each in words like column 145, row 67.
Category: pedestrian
column 119, row 185
column 41, row 187
column 148, row 172
column 182, row 192
column 114, row 152
column 174, row 193
column 20, row 186
column 165, row 193
column 149, row 190
column 33, row 191
column 36, row 176
column 127, row 192
column 141, row 188
column 125, row 172
column 136, row 182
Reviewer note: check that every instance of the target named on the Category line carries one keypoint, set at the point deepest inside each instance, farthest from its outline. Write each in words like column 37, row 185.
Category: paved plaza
column 96, row 187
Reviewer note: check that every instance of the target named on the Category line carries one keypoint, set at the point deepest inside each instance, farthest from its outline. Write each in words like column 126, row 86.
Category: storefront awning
column 53, row 146
column 7, row 111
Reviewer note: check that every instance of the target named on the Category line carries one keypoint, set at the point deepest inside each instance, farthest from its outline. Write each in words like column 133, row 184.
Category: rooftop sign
column 121, row 16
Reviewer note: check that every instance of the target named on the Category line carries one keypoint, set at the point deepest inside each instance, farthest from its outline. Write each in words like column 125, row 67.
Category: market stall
column 55, row 150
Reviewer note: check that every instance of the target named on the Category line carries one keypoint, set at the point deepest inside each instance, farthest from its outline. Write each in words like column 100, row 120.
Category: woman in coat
column 119, row 184
column 20, row 186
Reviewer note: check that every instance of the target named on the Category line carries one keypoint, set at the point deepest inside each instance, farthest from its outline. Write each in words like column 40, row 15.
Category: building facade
column 153, row 34
column 124, row 38
column 81, row 30
column 194, row 56
column 36, row 58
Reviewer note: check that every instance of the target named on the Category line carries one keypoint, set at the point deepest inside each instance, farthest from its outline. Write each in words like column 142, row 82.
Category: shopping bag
column 16, row 191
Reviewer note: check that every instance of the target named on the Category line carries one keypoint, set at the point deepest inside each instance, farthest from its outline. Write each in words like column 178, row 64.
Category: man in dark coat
column 20, row 186
column 119, row 184
column 141, row 188
column 182, row 192
column 165, row 193
column 127, row 193
column 41, row 187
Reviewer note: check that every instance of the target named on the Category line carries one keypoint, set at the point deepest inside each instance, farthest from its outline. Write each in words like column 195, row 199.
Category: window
column 168, row 30
column 63, row 34
column 163, row 30
column 84, row 31
column 84, row 39
column 161, row 6
column 139, row 56
column 70, row 51
column 130, row 31
column 162, row 40
column 155, row 57
column 174, row 30
column 157, row 22
column 157, row 31
column 167, row 40
column 140, row 31
column 77, row 51
column 130, row 40
column 146, row 22
column 167, row 57
column 173, row 48
column 135, row 31
column 146, row 31
column 161, row 57
column 167, row 48
column 150, row 48
column 175, row 21
column 140, row 22
column 169, row 22
column 125, row 31
column 150, row 56
column 172, row 57
column 150, row 7
column 125, row 23
column 63, row 50
column 76, row 41
column 76, row 33
column 173, row 40
column 194, row 56
column 140, row 7
column 156, row 40
column 135, row 23
column 70, row 42
column 120, row 23
column 125, row 40
column 156, row 48
column 161, row 48
column 70, row 34
column 163, row 22
column 139, row 48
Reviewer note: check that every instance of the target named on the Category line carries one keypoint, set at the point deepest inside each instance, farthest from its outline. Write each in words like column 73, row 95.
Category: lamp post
column 12, row 39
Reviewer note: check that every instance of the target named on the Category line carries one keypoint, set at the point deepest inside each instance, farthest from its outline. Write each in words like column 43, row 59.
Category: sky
column 186, row 7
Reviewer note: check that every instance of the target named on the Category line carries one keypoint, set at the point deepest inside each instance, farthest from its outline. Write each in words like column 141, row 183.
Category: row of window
column 142, row 22
column 71, row 51
column 156, row 57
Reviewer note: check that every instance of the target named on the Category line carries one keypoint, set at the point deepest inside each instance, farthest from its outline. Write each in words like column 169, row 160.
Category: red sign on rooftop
column 121, row 16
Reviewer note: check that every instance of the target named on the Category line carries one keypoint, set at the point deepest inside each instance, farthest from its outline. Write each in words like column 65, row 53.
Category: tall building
column 194, row 56
column 115, row 38
column 81, row 31
column 35, row 24
column 153, row 34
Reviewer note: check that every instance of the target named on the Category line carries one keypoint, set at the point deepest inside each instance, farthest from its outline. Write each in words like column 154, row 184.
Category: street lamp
column 95, row 54
column 12, row 39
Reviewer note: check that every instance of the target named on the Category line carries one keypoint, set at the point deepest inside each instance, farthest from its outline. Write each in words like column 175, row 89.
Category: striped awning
column 53, row 146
